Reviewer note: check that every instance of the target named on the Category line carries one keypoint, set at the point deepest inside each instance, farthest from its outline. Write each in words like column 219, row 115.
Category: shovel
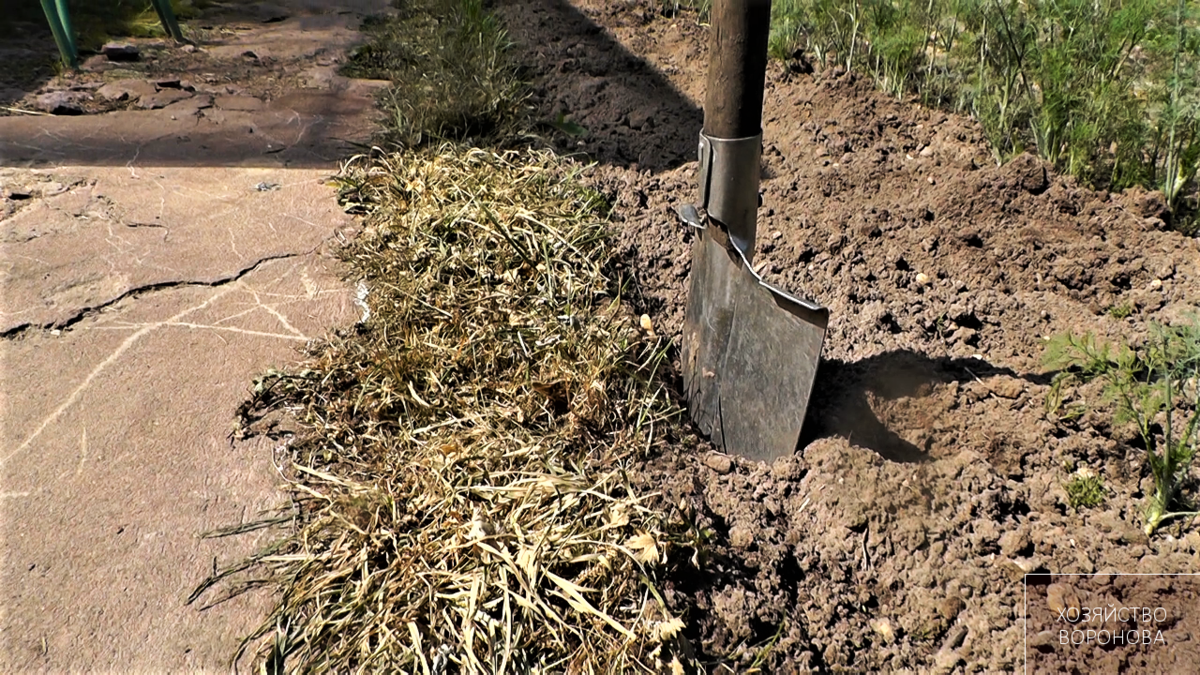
column 750, row 351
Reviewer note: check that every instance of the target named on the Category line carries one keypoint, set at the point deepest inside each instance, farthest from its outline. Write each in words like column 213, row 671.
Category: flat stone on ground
column 117, row 51
column 121, row 90
column 162, row 98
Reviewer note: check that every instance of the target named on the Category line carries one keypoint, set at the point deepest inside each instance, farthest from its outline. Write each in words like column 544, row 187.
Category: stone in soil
column 162, row 99
column 123, row 90
column 61, row 102
column 119, row 51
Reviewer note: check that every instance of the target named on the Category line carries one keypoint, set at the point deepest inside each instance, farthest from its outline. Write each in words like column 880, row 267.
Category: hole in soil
column 968, row 321
column 1036, row 579
column 871, row 401
column 1011, row 508
column 888, row 322
column 760, row 631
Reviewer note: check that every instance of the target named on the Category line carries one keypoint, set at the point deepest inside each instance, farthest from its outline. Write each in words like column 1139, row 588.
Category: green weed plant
column 1153, row 386
column 1107, row 90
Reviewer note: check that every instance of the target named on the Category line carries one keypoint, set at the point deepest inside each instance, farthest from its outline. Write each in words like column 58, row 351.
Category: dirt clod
column 719, row 463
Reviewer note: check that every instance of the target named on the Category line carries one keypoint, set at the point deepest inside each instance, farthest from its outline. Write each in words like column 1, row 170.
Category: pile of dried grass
column 462, row 500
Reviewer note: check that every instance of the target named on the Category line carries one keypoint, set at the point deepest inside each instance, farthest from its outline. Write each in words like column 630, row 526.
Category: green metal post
column 62, row 35
column 64, row 19
column 167, row 16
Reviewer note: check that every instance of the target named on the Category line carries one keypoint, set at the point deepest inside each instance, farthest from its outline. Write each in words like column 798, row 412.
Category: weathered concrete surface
column 116, row 457
column 150, row 267
column 110, row 234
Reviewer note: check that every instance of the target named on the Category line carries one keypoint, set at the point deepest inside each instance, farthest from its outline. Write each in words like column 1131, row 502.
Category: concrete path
column 152, row 262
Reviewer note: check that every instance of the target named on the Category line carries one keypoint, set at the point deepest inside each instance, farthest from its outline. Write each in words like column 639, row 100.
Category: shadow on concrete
column 632, row 112
column 31, row 57
column 848, row 394
column 304, row 129
column 633, row 115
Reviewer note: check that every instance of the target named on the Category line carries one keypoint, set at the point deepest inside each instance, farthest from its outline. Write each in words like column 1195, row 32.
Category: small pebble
column 884, row 628
column 922, row 278
column 647, row 325
column 1156, row 284
column 1042, row 639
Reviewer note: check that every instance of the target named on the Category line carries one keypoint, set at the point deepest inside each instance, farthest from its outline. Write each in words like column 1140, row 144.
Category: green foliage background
column 1108, row 90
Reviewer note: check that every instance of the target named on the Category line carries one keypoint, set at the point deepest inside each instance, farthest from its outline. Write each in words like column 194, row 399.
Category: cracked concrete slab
column 152, row 263
column 150, row 226
column 116, row 458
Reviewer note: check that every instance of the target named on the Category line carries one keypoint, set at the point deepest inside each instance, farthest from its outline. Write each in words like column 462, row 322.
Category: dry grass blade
column 462, row 495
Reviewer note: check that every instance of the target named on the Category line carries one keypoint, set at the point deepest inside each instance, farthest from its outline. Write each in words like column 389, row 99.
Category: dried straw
column 462, row 500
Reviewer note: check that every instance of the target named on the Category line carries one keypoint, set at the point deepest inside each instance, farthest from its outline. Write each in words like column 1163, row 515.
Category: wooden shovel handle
column 737, row 68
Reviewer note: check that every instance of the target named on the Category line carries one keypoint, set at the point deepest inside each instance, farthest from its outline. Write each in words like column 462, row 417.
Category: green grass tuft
column 1156, row 387
column 447, row 62
column 1085, row 490
column 1121, row 311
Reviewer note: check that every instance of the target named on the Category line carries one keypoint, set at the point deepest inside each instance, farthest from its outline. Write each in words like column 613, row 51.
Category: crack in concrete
column 112, row 358
column 19, row 331
column 142, row 329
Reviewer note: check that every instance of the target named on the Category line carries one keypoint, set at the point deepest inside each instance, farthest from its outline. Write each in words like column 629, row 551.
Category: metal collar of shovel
column 750, row 351
column 729, row 176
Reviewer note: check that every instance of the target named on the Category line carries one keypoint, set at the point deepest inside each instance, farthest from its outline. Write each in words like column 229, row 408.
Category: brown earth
column 1074, row 622
column 931, row 483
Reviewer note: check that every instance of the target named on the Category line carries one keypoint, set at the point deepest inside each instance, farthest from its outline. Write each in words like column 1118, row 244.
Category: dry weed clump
column 461, row 494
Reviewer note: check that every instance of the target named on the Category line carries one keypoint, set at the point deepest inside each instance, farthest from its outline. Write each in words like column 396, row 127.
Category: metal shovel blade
column 750, row 353
column 706, row 330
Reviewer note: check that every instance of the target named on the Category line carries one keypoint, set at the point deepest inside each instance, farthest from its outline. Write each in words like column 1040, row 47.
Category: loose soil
column 931, row 478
